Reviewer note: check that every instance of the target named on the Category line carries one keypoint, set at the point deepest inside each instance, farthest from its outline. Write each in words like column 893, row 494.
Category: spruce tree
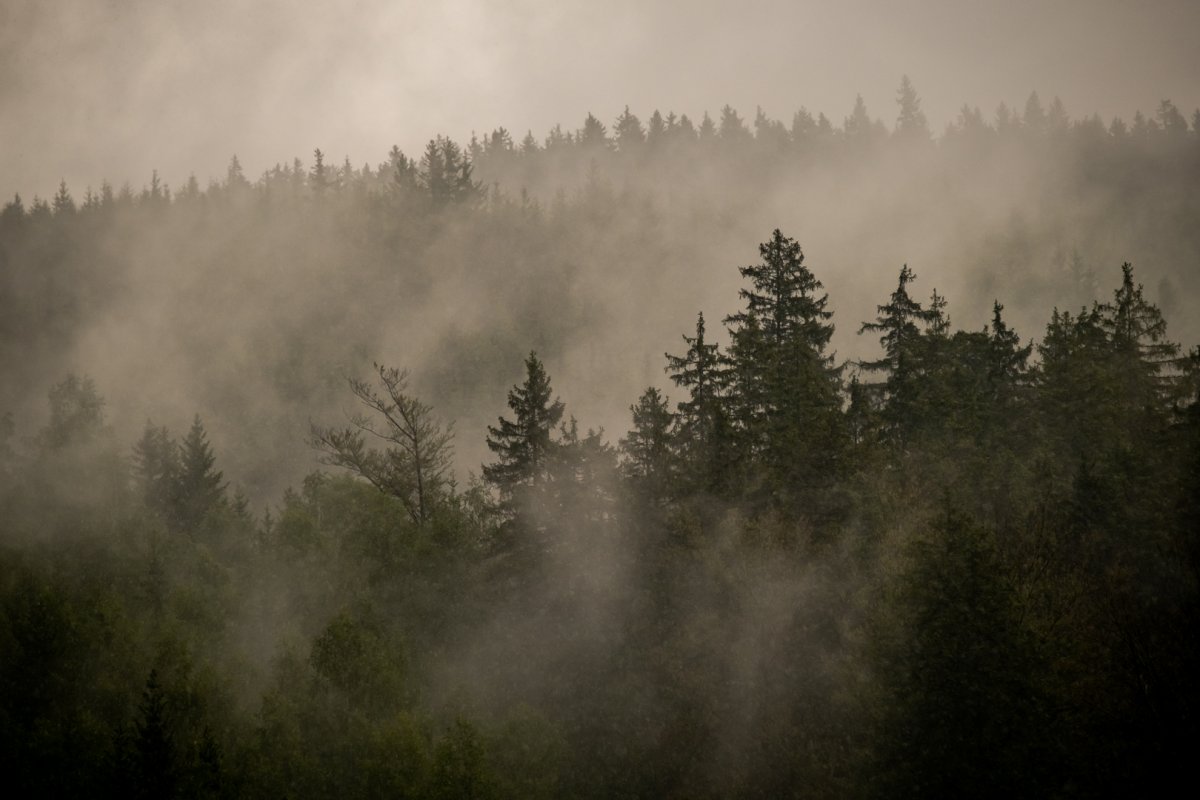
column 648, row 453
column 1137, row 334
column 523, row 445
column 200, row 486
column 702, row 424
column 902, row 362
column 785, row 385
column 157, row 469
column 911, row 124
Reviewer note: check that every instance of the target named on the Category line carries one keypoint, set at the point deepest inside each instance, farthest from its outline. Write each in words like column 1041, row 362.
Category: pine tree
column 446, row 173
column 628, row 132
column 963, row 713
column 656, row 129
column 156, row 767
column 593, row 136
column 1009, row 360
column 902, row 362
column 732, row 129
column 200, row 487
column 648, row 454
column 318, row 179
column 63, row 204
column 702, row 422
column 523, row 446
column 911, row 124
column 785, row 386
column 1138, row 335
column 858, row 128
column 157, row 469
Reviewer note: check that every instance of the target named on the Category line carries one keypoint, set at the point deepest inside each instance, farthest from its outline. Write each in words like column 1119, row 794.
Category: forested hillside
column 558, row 468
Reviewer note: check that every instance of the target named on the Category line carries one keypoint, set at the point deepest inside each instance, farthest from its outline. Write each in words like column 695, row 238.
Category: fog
column 112, row 90
column 952, row 555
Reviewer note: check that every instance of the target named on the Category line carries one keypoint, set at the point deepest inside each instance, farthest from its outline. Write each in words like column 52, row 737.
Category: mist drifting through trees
column 663, row 455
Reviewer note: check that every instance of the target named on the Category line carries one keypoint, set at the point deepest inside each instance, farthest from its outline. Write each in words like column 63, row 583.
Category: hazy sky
column 93, row 89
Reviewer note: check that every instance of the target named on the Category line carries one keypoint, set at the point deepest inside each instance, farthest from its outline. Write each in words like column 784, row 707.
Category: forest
column 642, row 459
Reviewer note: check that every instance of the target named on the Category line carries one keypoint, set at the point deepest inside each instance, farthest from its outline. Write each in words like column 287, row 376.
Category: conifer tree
column 156, row 769
column 1137, row 333
column 628, row 132
column 647, row 449
column 63, row 204
column 702, row 423
column 911, row 124
column 318, row 179
column 902, row 362
column 200, row 486
column 414, row 465
column 1009, row 360
column 157, row 468
column 786, row 388
column 593, row 135
column 732, row 129
column 524, row 445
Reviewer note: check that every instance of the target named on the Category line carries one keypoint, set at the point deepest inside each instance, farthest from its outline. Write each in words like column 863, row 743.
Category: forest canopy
column 568, row 466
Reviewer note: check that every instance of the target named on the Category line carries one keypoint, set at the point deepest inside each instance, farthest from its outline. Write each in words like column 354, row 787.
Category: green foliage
column 762, row 596
column 649, row 458
column 414, row 466
column 703, row 422
column 962, row 711
column 460, row 770
column 785, row 388
column 200, row 487
column 524, row 445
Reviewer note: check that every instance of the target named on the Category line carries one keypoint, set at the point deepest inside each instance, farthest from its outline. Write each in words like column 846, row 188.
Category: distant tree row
column 447, row 172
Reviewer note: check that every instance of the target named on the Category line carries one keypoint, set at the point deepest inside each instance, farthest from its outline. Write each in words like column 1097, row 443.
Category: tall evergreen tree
column 1137, row 333
column 628, row 132
column 911, row 124
column 702, row 424
column 902, row 362
column 648, row 453
column 157, row 468
column 785, row 385
column 201, row 489
column 523, row 445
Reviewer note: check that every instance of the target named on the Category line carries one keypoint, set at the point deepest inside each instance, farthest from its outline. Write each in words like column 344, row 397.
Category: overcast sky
column 93, row 89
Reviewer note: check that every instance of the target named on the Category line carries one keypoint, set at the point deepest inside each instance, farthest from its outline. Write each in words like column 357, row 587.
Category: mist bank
column 964, row 562
column 253, row 300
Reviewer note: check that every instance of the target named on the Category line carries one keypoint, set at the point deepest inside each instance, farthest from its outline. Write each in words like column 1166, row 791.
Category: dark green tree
column 157, row 468
column 524, row 445
column 649, row 458
column 702, row 423
column 200, row 488
column 962, row 713
column 1137, row 334
column 786, row 389
column 903, row 363
column 156, row 771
